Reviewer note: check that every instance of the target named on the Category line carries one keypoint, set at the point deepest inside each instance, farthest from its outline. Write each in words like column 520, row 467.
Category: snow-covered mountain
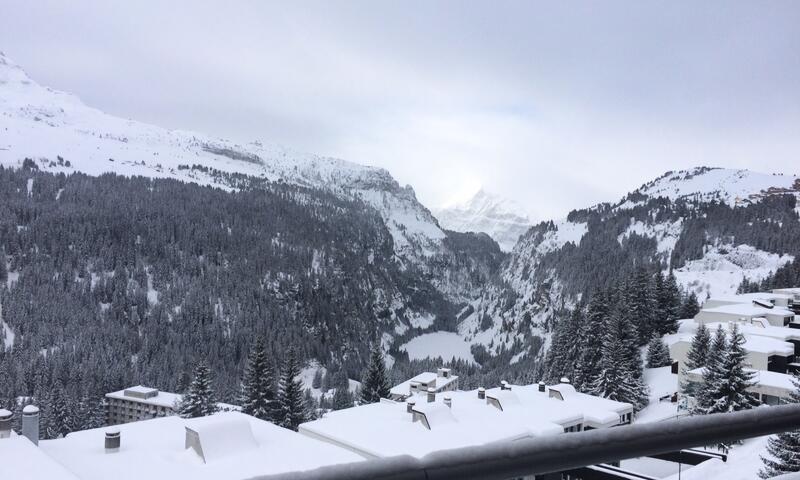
column 502, row 219
column 44, row 124
column 712, row 226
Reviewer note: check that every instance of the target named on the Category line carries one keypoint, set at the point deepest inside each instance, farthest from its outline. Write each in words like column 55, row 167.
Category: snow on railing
column 542, row 455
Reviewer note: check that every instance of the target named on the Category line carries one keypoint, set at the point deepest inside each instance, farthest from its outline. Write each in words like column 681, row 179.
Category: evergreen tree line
column 111, row 281
column 597, row 346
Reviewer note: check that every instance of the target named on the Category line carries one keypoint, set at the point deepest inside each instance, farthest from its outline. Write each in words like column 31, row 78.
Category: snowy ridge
column 500, row 218
column 43, row 124
column 726, row 185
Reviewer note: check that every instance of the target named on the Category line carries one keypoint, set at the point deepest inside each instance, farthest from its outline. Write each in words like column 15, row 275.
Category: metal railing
column 504, row 460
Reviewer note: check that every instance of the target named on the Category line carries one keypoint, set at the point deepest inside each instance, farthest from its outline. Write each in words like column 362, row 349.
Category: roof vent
column 504, row 385
column 410, row 406
column 112, row 441
column 431, row 395
column 542, row 386
column 30, row 423
column 565, row 380
column 481, row 393
column 6, row 418
column 448, row 401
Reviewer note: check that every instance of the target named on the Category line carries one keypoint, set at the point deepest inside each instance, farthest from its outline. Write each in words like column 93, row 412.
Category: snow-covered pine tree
column 292, row 411
column 641, row 304
column 587, row 367
column 690, row 306
column 657, row 353
column 696, row 358
column 669, row 303
column 617, row 379
column 565, row 346
column 376, row 384
column 732, row 394
column 62, row 421
column 783, row 449
column 705, row 390
column 342, row 397
column 199, row 400
column 258, row 386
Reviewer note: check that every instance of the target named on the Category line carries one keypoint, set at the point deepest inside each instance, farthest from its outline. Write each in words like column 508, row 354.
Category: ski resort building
column 430, row 422
column 139, row 403
column 441, row 381
column 776, row 316
column 144, row 403
column 768, row 348
column 763, row 299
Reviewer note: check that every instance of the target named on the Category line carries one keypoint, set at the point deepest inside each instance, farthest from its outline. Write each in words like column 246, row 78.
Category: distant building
column 139, row 403
column 776, row 316
column 441, row 381
column 759, row 299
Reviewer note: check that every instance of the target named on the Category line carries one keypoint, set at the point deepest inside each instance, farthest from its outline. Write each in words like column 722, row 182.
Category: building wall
column 124, row 411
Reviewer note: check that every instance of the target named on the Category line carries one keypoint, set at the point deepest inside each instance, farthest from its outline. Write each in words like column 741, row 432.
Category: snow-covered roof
column 21, row 459
column 386, row 429
column 163, row 399
column 748, row 310
column 597, row 411
column 769, row 346
column 404, row 389
column 220, row 436
column 155, row 450
column 750, row 297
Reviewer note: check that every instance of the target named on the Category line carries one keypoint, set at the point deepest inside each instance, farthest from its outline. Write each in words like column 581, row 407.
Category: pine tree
column 690, row 306
column 783, row 449
column 617, row 379
column 669, row 304
column 290, row 394
column 696, row 358
column 657, row 353
column 565, row 346
column 258, row 387
column 199, row 400
column 588, row 365
column 641, row 305
column 342, row 397
column 62, row 421
column 375, row 385
column 725, row 380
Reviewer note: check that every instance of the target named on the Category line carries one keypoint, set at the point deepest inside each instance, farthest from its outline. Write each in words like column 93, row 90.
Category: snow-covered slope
column 730, row 186
column 674, row 220
column 500, row 218
column 43, row 124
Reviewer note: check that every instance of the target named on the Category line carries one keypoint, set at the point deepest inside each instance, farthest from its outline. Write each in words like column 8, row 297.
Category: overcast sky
column 556, row 105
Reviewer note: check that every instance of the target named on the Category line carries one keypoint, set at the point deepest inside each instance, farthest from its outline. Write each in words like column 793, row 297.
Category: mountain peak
column 502, row 219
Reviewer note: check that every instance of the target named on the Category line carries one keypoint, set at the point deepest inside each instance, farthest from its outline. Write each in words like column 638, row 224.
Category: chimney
column 30, row 423
column 410, row 406
column 448, row 400
column 113, row 439
column 504, row 385
column 481, row 393
column 565, row 380
column 541, row 386
column 6, row 417
column 431, row 395
column 443, row 372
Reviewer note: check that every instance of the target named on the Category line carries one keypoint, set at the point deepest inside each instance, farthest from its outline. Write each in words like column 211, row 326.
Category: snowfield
column 722, row 269
column 439, row 344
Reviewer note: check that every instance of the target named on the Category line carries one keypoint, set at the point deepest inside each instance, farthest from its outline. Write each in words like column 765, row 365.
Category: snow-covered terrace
column 156, row 450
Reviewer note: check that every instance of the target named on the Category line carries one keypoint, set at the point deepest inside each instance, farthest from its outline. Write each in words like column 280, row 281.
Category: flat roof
column 763, row 377
column 163, row 399
column 154, row 449
column 771, row 342
column 748, row 310
column 749, row 297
